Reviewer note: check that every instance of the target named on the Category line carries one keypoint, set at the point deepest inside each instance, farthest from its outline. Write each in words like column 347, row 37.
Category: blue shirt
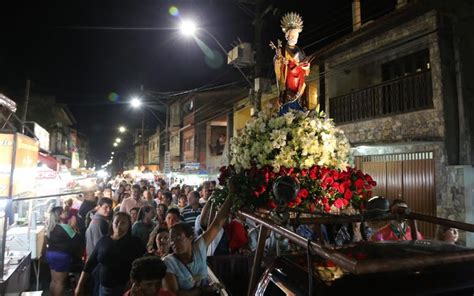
column 195, row 274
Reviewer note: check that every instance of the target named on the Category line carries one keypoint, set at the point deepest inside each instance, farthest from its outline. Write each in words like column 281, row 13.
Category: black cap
column 377, row 206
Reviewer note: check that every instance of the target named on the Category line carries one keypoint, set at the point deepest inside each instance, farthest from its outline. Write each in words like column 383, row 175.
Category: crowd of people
column 107, row 240
column 397, row 229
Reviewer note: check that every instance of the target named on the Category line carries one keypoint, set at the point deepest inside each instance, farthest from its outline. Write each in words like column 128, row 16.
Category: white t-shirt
column 195, row 274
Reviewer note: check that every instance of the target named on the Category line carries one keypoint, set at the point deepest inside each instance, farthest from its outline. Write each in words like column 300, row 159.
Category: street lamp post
column 122, row 156
column 189, row 28
column 137, row 103
column 143, row 138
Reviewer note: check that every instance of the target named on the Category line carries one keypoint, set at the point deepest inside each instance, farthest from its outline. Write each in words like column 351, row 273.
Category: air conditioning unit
column 241, row 56
column 263, row 83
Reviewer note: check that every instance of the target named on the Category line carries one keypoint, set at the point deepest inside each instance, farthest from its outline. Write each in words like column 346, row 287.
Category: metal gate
column 407, row 176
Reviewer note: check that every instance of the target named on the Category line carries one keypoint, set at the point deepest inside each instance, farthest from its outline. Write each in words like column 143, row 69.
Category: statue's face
column 292, row 37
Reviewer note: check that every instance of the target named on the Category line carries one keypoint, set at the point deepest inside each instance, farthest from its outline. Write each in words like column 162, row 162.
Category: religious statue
column 291, row 65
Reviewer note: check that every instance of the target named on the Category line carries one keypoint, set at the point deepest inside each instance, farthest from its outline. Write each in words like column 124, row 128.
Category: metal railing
column 401, row 95
column 353, row 265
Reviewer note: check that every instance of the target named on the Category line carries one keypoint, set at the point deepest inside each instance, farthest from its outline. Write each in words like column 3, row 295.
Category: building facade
column 395, row 87
column 154, row 148
column 199, row 129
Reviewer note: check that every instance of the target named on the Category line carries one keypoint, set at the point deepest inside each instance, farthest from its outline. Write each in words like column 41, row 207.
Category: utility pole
column 258, row 24
column 25, row 110
column 143, row 138
column 167, row 125
column 259, row 80
column 143, row 128
column 166, row 155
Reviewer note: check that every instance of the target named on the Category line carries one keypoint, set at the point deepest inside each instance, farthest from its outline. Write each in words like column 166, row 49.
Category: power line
column 198, row 89
column 369, row 57
column 217, row 78
column 347, row 27
column 375, row 15
column 117, row 28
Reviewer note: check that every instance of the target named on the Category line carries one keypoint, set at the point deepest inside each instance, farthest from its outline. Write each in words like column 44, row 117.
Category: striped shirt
column 189, row 214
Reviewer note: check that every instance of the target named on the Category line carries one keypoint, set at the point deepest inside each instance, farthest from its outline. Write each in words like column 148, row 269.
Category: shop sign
column 167, row 163
column 75, row 160
column 40, row 133
column 192, row 166
column 26, row 159
column 43, row 136
column 46, row 174
column 6, row 151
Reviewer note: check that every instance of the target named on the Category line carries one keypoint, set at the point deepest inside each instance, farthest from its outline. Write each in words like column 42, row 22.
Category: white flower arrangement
column 296, row 139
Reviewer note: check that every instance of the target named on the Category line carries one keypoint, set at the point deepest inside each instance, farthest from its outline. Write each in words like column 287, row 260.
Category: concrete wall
column 458, row 202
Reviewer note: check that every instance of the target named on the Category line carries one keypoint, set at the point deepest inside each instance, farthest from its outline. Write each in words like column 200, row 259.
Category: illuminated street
column 237, row 147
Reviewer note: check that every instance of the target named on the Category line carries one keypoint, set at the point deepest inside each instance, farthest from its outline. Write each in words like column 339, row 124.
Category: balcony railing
column 401, row 95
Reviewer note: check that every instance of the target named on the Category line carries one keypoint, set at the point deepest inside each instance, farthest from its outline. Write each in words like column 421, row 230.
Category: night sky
column 87, row 55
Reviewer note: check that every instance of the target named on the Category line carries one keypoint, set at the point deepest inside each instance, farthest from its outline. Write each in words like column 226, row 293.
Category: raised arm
column 205, row 213
column 221, row 216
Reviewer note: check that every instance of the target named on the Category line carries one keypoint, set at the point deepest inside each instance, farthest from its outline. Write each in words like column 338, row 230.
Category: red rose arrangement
column 322, row 189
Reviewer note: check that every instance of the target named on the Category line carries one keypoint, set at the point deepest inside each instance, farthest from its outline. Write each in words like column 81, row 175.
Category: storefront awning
column 49, row 161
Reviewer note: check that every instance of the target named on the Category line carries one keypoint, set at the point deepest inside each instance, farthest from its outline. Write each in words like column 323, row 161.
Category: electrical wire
column 167, row 95
column 184, row 92
column 377, row 15
column 334, row 70
column 372, row 16
column 370, row 57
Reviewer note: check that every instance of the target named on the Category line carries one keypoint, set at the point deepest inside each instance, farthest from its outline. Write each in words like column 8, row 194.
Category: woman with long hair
column 64, row 244
column 115, row 253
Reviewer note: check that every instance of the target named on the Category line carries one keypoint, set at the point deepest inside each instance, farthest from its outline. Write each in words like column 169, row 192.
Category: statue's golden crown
column 291, row 20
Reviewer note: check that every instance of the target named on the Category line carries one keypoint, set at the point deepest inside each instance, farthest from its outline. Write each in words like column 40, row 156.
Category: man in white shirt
column 134, row 201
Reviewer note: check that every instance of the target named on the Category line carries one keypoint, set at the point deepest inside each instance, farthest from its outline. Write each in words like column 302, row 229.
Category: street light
column 122, row 129
column 115, row 144
column 135, row 102
column 188, row 28
column 118, row 140
column 112, row 153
